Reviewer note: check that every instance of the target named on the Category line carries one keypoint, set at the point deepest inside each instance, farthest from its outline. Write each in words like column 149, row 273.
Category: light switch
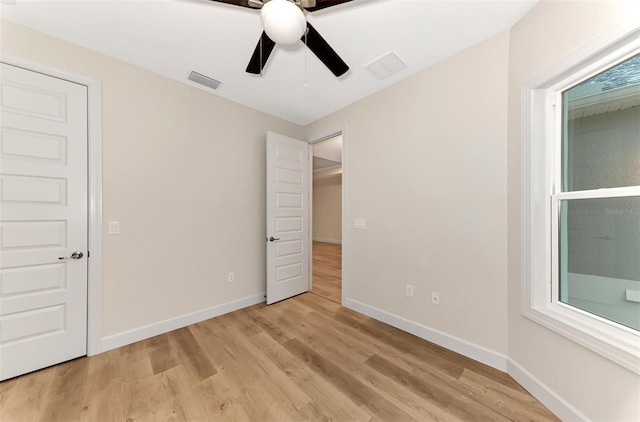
column 114, row 227
column 360, row 223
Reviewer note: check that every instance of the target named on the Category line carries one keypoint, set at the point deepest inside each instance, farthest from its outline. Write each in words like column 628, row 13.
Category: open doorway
column 327, row 218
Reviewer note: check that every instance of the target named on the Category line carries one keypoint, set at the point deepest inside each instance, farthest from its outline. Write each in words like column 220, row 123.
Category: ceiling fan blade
column 256, row 3
column 256, row 65
column 324, row 52
column 306, row 4
column 322, row 4
column 242, row 3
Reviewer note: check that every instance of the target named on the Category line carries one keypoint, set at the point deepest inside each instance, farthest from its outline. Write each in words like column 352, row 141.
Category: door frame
column 314, row 140
column 94, row 179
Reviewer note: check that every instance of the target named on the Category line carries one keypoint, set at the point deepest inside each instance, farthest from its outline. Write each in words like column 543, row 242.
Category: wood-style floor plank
column 302, row 359
column 64, row 397
column 192, row 356
column 351, row 355
column 459, row 405
column 328, row 403
column 355, row 390
column 327, row 271
column 25, row 397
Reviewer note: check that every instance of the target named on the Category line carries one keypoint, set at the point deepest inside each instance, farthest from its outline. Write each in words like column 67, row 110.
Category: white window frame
column 541, row 178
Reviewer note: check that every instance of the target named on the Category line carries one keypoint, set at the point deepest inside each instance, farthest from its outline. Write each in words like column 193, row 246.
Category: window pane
column 601, row 130
column 600, row 257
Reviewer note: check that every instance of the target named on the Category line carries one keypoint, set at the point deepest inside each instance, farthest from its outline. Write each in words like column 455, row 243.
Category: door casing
column 94, row 206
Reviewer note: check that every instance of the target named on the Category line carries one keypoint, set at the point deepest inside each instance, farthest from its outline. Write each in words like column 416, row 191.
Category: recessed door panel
column 288, row 200
column 43, row 190
column 33, row 234
column 288, row 272
column 30, row 324
column 289, row 248
column 291, row 177
column 291, row 153
column 34, row 279
column 33, row 101
column 32, row 146
column 288, row 225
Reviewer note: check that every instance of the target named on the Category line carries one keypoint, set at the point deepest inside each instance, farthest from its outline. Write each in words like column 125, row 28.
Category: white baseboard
column 320, row 239
column 556, row 404
column 539, row 390
column 471, row 350
column 147, row 331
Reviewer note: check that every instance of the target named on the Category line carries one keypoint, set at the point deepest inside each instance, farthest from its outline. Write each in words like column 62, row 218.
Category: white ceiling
column 327, row 153
column 173, row 37
column 329, row 149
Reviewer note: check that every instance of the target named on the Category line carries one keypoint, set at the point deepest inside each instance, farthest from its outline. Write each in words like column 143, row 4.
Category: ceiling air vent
column 385, row 65
column 204, row 80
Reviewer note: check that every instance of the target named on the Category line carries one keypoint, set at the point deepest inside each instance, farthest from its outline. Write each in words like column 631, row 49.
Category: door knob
column 271, row 239
column 75, row 255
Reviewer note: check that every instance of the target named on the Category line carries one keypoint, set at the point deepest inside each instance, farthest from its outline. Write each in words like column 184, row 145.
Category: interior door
column 43, row 221
column 288, row 238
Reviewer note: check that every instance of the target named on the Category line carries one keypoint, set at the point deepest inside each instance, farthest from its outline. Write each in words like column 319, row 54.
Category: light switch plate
column 360, row 223
column 114, row 227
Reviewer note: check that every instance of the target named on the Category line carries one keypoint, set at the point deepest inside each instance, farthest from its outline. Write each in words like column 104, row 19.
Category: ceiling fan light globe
column 283, row 21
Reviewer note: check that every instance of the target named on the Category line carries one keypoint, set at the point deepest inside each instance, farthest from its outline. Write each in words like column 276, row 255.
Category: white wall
column 426, row 166
column 183, row 172
column 327, row 206
column 601, row 390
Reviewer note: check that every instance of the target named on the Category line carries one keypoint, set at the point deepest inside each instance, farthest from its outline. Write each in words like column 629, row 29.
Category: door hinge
column 88, row 254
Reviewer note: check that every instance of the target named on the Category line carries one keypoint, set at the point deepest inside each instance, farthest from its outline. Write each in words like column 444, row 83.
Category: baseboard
column 556, row 404
column 147, row 331
column 538, row 389
column 320, row 239
column 471, row 350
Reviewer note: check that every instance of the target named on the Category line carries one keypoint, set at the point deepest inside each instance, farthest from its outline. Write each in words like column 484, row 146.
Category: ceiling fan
column 284, row 23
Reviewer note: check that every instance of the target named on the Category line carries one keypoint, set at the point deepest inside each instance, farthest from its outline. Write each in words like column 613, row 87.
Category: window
column 597, row 261
column 581, row 198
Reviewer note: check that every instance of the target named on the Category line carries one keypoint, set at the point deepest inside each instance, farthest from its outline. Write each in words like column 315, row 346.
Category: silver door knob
column 75, row 255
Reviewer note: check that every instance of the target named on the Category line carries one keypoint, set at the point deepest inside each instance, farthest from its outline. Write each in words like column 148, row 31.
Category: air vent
column 385, row 65
column 204, row 80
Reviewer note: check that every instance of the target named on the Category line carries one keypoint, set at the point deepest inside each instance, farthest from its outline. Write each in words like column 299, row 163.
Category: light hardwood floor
column 303, row 359
column 327, row 271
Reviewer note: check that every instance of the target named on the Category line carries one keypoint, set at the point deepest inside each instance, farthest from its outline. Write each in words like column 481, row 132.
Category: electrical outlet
column 408, row 290
column 435, row 298
column 231, row 277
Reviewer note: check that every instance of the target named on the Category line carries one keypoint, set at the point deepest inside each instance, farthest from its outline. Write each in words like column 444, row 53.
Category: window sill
column 622, row 348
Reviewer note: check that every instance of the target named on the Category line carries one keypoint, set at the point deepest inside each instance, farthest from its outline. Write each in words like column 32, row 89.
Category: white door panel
column 287, row 217
column 43, row 216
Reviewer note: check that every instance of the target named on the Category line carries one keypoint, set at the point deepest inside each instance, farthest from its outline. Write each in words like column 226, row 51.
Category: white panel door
column 287, row 217
column 43, row 217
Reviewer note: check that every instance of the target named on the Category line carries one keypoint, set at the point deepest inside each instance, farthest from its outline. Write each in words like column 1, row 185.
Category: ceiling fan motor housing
column 283, row 21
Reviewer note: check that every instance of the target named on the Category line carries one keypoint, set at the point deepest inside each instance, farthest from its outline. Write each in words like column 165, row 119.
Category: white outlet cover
column 409, row 290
